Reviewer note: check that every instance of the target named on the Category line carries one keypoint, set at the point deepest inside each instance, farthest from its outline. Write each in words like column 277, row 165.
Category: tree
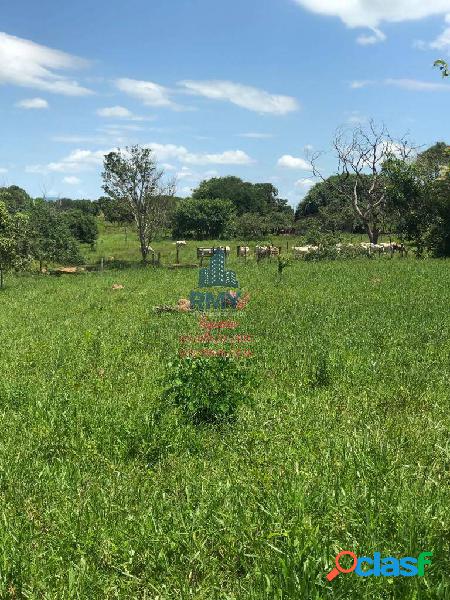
column 133, row 176
column 88, row 207
column 14, row 241
column 116, row 210
column 51, row 237
column 15, row 199
column 251, row 226
column 83, row 226
column 361, row 152
column 418, row 198
column 247, row 197
column 203, row 219
column 327, row 201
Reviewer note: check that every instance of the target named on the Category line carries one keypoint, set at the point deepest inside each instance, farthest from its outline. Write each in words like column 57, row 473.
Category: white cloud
column 370, row 13
column 442, row 42
column 72, row 180
column 28, row 103
column 166, row 152
column 356, row 118
column 369, row 40
column 75, row 162
column 119, row 112
column 3, row 170
column 417, row 86
column 78, row 139
column 31, row 65
column 149, row 93
column 304, row 183
column 256, row 136
column 122, row 126
column 292, row 162
column 85, row 160
column 245, row 96
column 414, row 85
column 357, row 85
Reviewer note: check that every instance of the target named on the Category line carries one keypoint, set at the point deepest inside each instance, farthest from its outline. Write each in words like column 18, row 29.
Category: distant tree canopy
column 246, row 197
column 88, row 207
column 83, row 226
column 15, row 199
column 328, row 203
column 203, row 218
column 51, row 237
column 15, row 250
column 116, row 210
column 418, row 199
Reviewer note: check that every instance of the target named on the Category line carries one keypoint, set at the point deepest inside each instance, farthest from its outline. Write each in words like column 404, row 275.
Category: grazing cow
column 266, row 251
column 181, row 243
column 300, row 251
column 243, row 250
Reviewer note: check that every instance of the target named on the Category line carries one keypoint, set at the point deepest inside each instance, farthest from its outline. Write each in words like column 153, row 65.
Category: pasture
column 344, row 443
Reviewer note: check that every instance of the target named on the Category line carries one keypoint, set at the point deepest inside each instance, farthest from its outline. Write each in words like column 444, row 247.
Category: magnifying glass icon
column 339, row 569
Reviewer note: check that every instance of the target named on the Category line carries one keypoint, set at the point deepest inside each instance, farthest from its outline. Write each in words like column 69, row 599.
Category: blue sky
column 215, row 88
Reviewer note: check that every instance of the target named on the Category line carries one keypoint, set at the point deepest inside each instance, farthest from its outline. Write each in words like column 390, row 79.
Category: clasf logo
column 366, row 566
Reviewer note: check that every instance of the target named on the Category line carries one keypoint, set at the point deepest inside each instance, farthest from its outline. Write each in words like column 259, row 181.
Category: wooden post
column 101, row 264
column 159, row 259
column 178, row 254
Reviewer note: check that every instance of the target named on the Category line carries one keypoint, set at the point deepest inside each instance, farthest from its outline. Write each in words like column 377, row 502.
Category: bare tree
column 361, row 154
column 132, row 176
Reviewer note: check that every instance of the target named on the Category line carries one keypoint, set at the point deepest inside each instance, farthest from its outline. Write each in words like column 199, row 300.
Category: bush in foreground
column 208, row 390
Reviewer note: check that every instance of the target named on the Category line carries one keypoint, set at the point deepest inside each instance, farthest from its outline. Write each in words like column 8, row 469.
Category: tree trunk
column 373, row 233
column 144, row 248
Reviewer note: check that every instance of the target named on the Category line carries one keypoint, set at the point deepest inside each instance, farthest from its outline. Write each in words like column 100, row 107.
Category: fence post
column 101, row 264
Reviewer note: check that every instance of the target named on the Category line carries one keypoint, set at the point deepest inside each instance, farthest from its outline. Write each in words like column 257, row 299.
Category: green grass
column 105, row 492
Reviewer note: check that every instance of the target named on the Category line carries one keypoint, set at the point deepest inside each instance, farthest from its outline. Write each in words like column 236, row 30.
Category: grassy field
column 105, row 492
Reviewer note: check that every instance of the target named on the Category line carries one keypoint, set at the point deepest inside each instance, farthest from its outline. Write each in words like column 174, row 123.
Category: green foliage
column 330, row 202
column 203, row 218
column 15, row 252
column 87, row 207
column 419, row 199
column 51, row 237
column 133, row 176
column 116, row 210
column 443, row 66
column 253, row 226
column 15, row 199
column 83, row 226
column 208, row 390
column 246, row 197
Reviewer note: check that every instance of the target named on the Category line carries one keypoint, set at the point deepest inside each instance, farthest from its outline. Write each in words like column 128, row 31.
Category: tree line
column 382, row 185
column 43, row 231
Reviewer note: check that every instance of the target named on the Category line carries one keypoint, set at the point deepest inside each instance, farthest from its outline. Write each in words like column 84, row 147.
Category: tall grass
column 104, row 494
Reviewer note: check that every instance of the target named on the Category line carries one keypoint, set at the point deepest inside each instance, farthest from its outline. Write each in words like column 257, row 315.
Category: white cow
column 243, row 250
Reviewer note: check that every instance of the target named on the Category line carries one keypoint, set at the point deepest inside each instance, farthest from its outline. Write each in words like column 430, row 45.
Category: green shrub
column 208, row 390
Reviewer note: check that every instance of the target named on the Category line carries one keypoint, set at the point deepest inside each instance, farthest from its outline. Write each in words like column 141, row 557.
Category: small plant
column 282, row 264
column 208, row 390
